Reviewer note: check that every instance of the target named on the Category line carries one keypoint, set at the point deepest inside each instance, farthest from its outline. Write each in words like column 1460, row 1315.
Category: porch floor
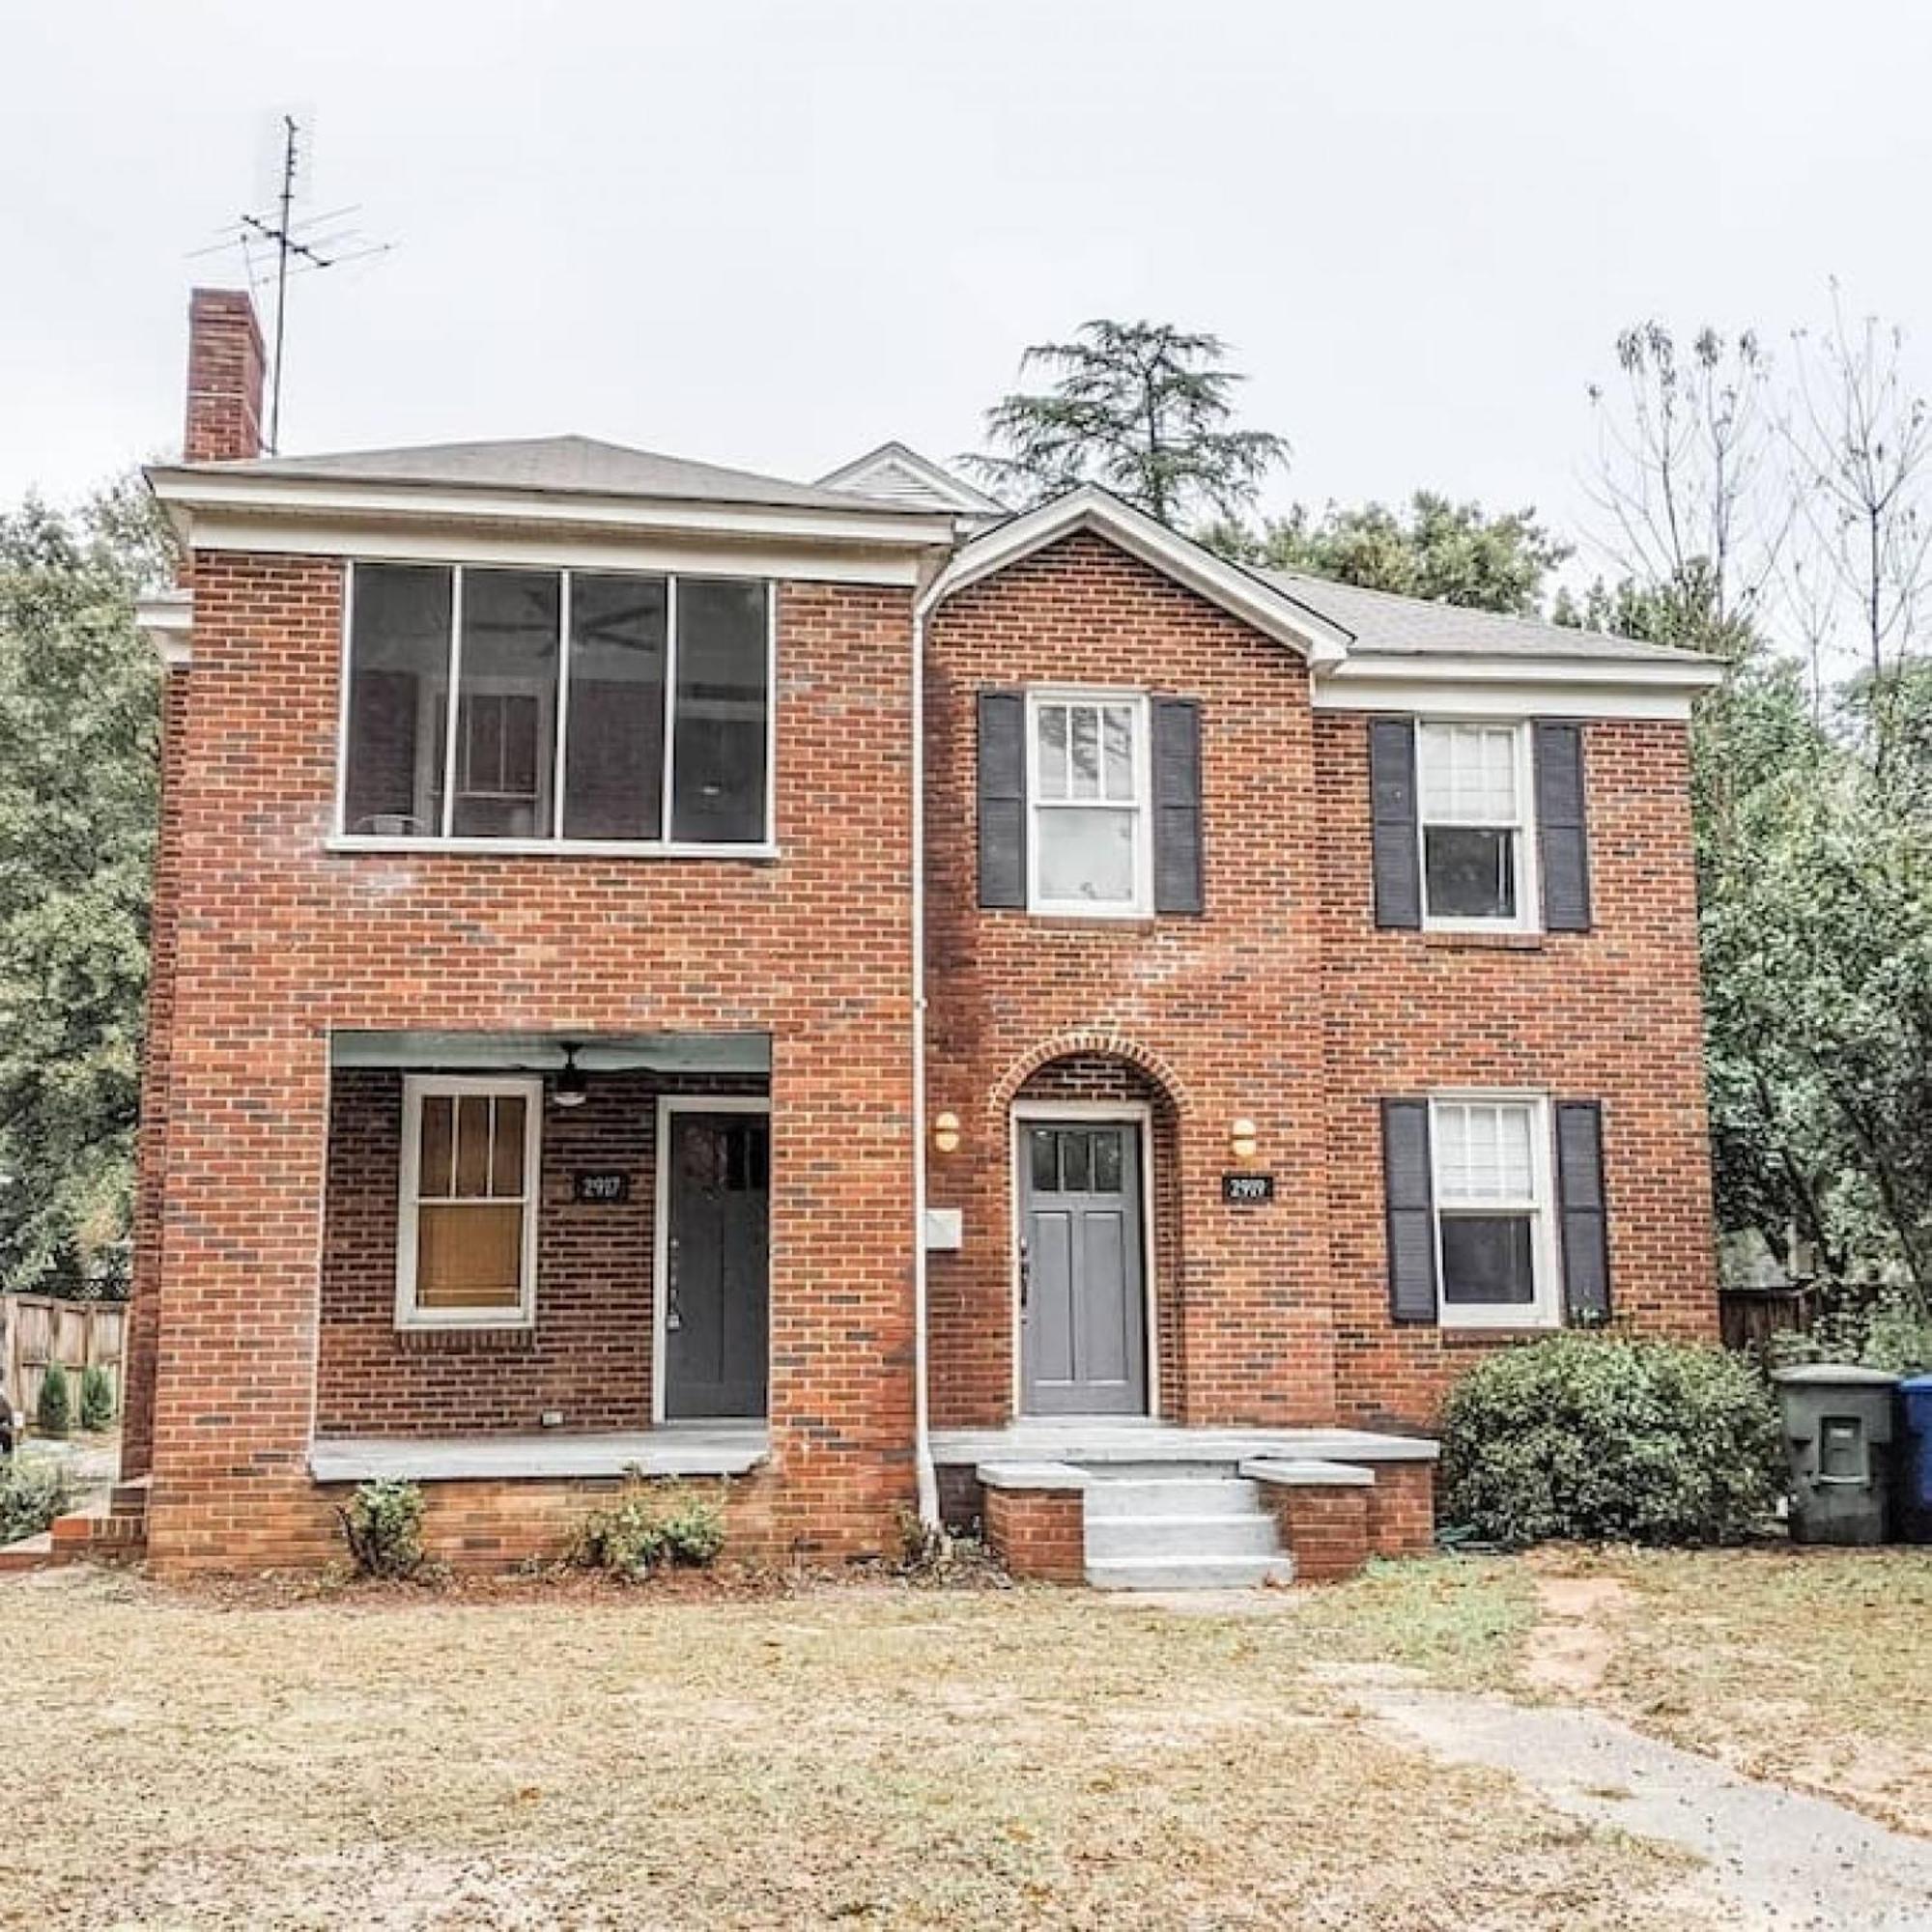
column 1137, row 1440
column 672, row 1449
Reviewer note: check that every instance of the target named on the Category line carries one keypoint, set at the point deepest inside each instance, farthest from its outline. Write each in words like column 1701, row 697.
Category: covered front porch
column 544, row 1255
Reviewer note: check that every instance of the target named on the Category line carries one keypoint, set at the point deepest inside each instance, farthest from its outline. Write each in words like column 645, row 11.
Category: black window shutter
column 1398, row 857
column 1003, row 852
column 1411, row 1210
column 1177, row 806
column 1562, row 835
column 1579, row 1201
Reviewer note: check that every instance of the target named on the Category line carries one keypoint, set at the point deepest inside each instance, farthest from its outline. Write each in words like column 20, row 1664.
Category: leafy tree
column 78, row 727
column 1447, row 551
column 1143, row 407
column 53, row 1410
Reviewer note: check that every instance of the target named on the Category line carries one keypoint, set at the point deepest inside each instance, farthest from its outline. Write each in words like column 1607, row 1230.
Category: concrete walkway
column 1774, row 1858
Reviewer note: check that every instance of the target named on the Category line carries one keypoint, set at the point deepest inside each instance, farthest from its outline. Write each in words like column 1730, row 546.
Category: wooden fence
column 37, row 1330
column 1749, row 1317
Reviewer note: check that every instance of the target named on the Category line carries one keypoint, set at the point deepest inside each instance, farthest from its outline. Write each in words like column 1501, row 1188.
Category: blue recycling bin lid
column 1917, row 1394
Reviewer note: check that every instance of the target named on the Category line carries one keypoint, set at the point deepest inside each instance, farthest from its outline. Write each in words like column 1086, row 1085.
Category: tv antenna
column 295, row 246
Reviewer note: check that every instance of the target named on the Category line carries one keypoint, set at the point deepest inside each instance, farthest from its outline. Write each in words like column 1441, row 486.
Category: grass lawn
column 539, row 1753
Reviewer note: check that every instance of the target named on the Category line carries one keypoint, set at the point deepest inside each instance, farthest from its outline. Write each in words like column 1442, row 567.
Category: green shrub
column 53, row 1412
column 649, row 1524
column 32, row 1493
column 382, row 1526
column 1584, row 1438
column 1890, row 1329
column 97, row 1400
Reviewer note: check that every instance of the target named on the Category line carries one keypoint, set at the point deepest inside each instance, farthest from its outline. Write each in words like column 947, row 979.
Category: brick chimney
column 224, row 376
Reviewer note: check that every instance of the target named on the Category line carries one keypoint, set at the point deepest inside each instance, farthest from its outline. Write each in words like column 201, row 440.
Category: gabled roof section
column 899, row 475
column 577, row 465
column 1269, row 608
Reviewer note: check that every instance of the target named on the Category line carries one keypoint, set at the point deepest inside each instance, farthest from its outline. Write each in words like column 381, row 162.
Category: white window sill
column 1080, row 909
column 1515, row 1318
column 1488, row 929
column 546, row 848
column 465, row 1325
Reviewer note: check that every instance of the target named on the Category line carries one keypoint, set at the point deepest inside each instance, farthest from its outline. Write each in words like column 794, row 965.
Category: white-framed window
column 488, row 707
column 1495, row 1219
column 1474, row 792
column 1090, row 848
column 466, row 1239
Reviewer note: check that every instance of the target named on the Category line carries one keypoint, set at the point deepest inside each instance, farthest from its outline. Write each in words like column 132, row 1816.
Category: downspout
column 925, row 1474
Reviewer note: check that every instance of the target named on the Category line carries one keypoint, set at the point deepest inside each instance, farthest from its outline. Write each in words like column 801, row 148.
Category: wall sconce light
column 1243, row 1143
column 945, row 1133
column 572, row 1090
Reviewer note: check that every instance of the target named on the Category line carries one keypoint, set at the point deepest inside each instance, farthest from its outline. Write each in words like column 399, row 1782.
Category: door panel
column 716, row 1264
column 1082, row 1324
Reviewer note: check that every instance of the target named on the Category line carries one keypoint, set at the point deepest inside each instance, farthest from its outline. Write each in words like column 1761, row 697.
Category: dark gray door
column 1083, row 1306
column 716, row 1264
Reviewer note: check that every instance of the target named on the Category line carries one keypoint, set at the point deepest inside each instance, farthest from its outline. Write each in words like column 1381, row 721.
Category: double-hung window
column 1495, row 1220
column 1091, row 843
column 547, row 708
column 466, row 1242
column 1473, row 791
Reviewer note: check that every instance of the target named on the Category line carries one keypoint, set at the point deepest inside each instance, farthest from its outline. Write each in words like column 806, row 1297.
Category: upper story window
column 1090, row 844
column 1474, row 786
column 544, row 707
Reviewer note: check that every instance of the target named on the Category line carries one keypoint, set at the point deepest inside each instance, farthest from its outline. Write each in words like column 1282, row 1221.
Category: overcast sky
column 773, row 235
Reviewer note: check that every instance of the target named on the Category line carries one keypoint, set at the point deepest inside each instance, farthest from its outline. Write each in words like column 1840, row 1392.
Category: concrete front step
column 1187, row 1573
column 1221, row 1494
column 1205, row 1538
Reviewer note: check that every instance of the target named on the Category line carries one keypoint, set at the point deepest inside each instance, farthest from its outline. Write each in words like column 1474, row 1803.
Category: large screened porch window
column 551, row 708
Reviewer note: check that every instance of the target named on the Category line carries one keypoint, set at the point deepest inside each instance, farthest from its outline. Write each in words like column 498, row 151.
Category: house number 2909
column 1247, row 1190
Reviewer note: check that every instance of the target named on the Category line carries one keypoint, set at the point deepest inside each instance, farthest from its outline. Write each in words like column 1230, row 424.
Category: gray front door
column 1082, row 1308
column 717, row 1262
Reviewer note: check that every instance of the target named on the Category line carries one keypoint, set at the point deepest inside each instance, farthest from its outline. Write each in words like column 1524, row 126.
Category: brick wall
column 1285, row 1005
column 280, row 941
column 588, row 1353
column 224, row 378
column 1039, row 1535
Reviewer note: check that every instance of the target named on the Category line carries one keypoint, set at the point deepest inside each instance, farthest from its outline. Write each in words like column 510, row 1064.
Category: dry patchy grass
column 860, row 1754
column 1811, row 1667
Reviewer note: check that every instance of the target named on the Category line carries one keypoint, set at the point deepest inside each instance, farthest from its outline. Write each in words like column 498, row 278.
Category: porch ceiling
column 428, row 1050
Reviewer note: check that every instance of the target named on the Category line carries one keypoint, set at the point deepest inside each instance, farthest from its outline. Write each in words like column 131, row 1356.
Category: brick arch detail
column 1098, row 1040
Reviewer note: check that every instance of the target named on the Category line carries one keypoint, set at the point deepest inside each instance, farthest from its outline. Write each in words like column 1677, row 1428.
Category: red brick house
column 880, row 1001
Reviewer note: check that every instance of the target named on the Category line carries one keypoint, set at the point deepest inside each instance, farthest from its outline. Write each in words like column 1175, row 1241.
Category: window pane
column 1107, row 1163
column 1051, row 725
column 718, row 766
column 398, row 683
column 1083, row 744
column 1075, row 1175
column 472, row 1146
column 1470, row 872
column 506, row 713
column 1045, row 1167
column 614, row 738
column 1487, row 1260
column 469, row 1257
column 1086, row 855
column 435, row 1174
column 1119, row 750
column 1468, row 774
column 506, row 1155
column 1484, row 1152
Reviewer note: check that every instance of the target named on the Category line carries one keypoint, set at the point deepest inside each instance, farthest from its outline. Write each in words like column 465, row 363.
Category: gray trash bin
column 1839, row 1436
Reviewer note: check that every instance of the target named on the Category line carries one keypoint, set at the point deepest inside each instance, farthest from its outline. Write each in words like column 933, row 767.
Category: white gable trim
column 1512, row 688
column 1236, row 591
column 895, row 460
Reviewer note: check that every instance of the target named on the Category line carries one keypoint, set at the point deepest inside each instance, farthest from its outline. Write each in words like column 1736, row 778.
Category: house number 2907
column 1247, row 1190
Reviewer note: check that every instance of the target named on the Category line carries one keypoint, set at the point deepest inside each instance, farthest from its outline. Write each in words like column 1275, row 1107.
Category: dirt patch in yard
column 866, row 1754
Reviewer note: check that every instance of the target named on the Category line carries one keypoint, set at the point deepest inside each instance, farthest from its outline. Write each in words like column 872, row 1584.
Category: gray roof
column 1386, row 625
column 570, row 463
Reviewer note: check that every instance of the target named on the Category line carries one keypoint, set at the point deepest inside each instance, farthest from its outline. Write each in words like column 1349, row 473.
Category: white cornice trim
column 1236, row 591
column 699, row 553
column 166, row 622
column 1681, row 673
column 1500, row 690
column 280, row 507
